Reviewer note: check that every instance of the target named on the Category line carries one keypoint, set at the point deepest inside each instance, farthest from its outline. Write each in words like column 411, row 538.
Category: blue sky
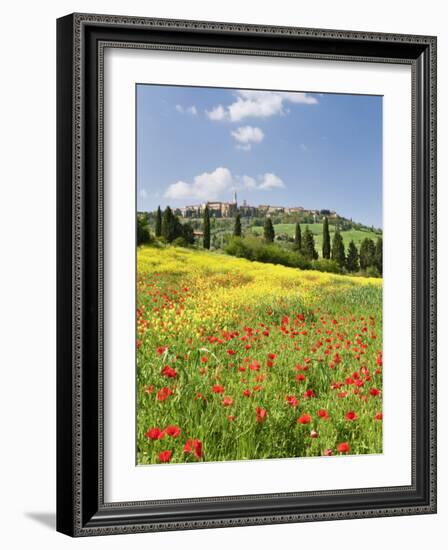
column 319, row 151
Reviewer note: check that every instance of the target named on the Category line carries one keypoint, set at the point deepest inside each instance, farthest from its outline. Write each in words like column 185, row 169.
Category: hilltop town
column 220, row 209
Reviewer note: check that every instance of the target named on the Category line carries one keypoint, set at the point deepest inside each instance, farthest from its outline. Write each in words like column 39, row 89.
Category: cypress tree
column 206, row 228
column 269, row 233
column 187, row 232
column 237, row 228
column 338, row 250
column 158, row 230
column 352, row 257
column 308, row 247
column 326, row 246
column 168, row 223
column 367, row 253
column 379, row 255
column 298, row 237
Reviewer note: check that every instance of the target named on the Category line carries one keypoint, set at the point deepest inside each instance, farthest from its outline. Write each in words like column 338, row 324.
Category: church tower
column 234, row 198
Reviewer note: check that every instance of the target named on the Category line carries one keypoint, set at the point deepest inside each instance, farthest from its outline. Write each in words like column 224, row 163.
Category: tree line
column 368, row 257
column 168, row 228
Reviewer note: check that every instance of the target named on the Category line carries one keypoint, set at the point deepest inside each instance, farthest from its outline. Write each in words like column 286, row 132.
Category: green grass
column 316, row 228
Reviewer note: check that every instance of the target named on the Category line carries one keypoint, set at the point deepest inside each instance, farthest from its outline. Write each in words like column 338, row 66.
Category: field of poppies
column 242, row 360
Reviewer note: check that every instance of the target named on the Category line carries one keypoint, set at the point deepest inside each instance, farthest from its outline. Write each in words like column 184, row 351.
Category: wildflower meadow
column 246, row 360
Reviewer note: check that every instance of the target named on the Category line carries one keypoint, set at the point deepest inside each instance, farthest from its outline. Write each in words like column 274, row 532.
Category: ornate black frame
column 81, row 510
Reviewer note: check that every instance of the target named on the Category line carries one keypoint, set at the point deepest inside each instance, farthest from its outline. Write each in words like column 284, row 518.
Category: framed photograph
column 246, row 274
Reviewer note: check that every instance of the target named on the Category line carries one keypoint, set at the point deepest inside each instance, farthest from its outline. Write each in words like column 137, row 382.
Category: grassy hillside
column 316, row 229
column 242, row 360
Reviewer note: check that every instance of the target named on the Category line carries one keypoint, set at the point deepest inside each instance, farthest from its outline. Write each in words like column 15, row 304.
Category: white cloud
column 189, row 110
column 218, row 113
column 246, row 135
column 259, row 104
column 206, row 186
column 210, row 186
column 270, row 181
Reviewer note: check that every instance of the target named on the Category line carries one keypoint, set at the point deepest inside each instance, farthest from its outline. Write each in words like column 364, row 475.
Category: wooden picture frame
column 81, row 509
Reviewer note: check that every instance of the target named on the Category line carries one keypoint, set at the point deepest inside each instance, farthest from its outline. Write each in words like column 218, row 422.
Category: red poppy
column 154, row 433
column 272, row 356
column 323, row 413
column 231, row 352
column 304, row 419
column 161, row 350
column 149, row 389
column 261, row 414
column 374, row 392
column 246, row 393
column 227, row 401
column 231, row 417
column 138, row 343
column 379, row 416
column 164, row 393
column 343, row 447
column 314, row 434
column 351, row 415
column 309, row 393
column 328, row 452
column 217, row 388
column 255, row 365
column 169, row 372
column 172, row 431
column 292, row 400
column 193, row 446
column 204, row 359
column 165, row 456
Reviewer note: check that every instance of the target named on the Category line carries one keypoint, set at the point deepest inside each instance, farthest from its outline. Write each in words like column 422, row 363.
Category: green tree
column 352, row 261
column 206, row 228
column 367, row 253
column 188, row 233
column 269, row 233
column 158, row 230
column 308, row 246
column 143, row 235
column 298, row 237
column 168, row 230
column 326, row 245
column 338, row 250
column 237, row 228
column 379, row 255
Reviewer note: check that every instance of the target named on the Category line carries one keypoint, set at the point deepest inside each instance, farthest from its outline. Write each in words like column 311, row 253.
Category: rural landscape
column 258, row 325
